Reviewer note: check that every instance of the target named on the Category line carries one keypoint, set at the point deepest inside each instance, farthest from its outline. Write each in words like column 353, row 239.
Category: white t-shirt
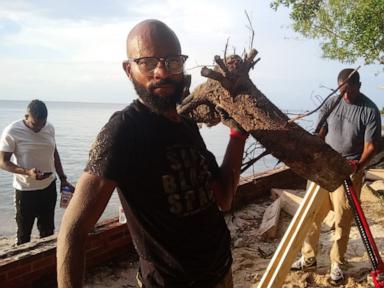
column 30, row 150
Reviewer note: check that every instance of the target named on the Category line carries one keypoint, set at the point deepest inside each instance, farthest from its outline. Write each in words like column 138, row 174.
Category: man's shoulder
column 49, row 126
column 367, row 102
column 15, row 125
column 10, row 134
column 328, row 104
column 331, row 100
column 124, row 122
column 128, row 113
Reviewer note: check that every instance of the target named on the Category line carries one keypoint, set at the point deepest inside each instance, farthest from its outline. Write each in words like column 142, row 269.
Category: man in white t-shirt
column 31, row 142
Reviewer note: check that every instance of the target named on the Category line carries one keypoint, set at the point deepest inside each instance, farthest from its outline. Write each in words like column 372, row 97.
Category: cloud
column 64, row 81
column 53, row 30
column 60, row 49
column 79, row 41
column 203, row 27
column 91, row 38
column 66, row 9
column 14, row 10
column 64, row 48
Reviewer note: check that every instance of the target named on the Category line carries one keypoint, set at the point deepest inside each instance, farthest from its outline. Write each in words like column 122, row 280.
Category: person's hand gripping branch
column 236, row 130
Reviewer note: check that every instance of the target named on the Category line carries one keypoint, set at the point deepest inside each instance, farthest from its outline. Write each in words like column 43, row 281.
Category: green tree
column 347, row 29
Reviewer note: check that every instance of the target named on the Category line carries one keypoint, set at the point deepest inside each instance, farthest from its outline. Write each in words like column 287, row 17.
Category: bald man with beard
column 172, row 189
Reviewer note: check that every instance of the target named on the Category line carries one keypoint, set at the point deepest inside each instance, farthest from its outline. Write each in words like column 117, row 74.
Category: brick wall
column 34, row 264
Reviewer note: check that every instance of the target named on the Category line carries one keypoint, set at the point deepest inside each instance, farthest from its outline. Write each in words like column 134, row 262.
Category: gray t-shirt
column 351, row 125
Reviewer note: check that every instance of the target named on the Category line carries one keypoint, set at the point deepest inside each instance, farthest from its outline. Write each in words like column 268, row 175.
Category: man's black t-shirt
column 164, row 172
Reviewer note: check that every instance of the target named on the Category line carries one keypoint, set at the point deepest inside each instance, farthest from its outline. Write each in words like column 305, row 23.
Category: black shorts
column 38, row 204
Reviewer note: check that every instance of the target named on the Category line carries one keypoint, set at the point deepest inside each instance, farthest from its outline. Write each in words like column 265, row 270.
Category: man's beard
column 156, row 102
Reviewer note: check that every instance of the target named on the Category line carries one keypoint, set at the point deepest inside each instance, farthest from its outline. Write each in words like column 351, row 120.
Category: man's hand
column 354, row 165
column 64, row 183
column 230, row 122
column 35, row 173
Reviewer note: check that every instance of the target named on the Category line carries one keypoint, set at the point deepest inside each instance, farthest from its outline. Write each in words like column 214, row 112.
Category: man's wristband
column 354, row 165
column 236, row 133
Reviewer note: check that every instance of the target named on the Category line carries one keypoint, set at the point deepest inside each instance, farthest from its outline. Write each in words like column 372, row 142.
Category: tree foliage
column 348, row 29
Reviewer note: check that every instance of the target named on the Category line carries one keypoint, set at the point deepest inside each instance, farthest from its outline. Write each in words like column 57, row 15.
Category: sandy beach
column 251, row 254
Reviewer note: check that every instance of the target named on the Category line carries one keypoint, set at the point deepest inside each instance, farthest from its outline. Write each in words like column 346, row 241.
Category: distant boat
column 381, row 87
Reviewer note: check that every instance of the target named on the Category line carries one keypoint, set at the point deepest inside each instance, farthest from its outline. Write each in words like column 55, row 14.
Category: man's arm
column 226, row 187
column 372, row 138
column 88, row 203
column 323, row 132
column 7, row 165
column 58, row 166
column 366, row 156
column 59, row 170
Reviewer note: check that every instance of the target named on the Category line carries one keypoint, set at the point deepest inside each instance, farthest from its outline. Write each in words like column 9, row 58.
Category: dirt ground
column 251, row 254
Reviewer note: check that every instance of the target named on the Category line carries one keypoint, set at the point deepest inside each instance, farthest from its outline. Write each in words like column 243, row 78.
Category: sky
column 72, row 50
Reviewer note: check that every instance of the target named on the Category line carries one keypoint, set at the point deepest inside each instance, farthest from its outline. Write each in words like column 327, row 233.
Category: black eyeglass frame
column 165, row 59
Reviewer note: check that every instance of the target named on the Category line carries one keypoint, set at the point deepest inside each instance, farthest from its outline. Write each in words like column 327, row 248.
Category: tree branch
column 326, row 98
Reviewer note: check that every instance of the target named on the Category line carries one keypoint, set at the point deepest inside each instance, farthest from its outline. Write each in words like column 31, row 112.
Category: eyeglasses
column 173, row 64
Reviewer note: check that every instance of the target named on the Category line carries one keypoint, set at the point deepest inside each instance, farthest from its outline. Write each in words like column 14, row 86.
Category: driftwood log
column 229, row 93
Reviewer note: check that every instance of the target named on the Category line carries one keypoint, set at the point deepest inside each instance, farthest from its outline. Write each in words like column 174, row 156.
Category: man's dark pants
column 38, row 204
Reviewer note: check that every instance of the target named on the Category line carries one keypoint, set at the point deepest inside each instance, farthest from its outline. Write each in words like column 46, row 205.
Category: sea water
column 76, row 126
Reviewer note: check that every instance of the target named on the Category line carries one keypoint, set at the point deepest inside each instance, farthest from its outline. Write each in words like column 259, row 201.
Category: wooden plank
column 290, row 202
column 276, row 192
column 374, row 174
column 293, row 238
column 269, row 224
column 377, row 186
column 372, row 192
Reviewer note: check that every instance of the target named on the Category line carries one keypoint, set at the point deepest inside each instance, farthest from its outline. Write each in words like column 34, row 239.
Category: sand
column 9, row 242
column 252, row 254
column 118, row 273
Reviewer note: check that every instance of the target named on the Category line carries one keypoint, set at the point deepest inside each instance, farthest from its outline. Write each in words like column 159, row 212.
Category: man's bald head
column 159, row 86
column 152, row 38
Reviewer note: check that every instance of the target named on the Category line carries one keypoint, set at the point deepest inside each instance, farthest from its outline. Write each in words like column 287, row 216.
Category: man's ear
column 26, row 116
column 127, row 68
